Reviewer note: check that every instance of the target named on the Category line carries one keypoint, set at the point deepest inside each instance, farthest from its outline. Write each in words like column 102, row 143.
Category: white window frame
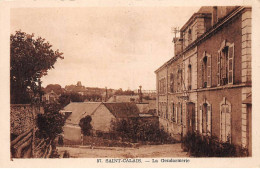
column 208, row 118
column 209, row 69
column 230, row 71
column 224, row 135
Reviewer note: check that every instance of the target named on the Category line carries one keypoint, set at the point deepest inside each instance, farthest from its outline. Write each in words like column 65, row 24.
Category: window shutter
column 209, row 71
column 231, row 64
column 219, row 67
column 176, row 114
column 222, row 125
column 209, row 120
column 200, row 120
column 228, row 122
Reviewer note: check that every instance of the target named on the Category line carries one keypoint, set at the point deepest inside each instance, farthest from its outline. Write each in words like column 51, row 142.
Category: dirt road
column 146, row 151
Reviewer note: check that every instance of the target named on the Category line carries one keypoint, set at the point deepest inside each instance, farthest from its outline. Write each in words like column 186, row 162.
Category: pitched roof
column 79, row 110
column 123, row 110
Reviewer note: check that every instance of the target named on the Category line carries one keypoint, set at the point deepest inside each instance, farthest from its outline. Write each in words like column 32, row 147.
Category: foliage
column 56, row 88
column 51, row 122
column 209, row 146
column 149, row 98
column 85, row 125
column 66, row 154
column 135, row 130
column 126, row 92
column 31, row 58
column 66, row 98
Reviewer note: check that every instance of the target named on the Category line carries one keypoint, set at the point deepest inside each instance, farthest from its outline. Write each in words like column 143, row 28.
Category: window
column 179, row 113
column 225, row 121
column 189, row 36
column 189, row 77
column 171, row 83
column 173, row 113
column 225, row 64
column 162, row 86
column 206, row 70
column 179, row 78
column 204, row 119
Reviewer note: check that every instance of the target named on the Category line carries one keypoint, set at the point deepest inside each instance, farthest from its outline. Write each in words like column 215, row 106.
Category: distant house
column 50, row 97
column 101, row 113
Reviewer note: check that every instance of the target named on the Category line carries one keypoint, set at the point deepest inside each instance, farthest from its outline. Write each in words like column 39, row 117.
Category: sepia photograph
column 130, row 84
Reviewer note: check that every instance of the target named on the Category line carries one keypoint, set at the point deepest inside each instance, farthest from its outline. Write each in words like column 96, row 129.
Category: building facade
column 204, row 86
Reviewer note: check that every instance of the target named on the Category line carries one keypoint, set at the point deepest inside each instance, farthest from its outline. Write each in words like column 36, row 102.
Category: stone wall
column 22, row 117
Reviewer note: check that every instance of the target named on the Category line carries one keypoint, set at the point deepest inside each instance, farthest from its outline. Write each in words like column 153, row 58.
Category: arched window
column 225, row 121
column 204, row 119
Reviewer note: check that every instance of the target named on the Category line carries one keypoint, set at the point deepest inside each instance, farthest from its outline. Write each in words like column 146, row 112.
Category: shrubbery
column 209, row 146
column 134, row 130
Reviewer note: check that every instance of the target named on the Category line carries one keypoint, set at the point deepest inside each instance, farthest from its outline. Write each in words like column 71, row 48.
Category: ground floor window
column 225, row 121
column 204, row 119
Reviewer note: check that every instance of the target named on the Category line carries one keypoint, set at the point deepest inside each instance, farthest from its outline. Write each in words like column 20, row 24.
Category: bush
column 209, row 146
column 85, row 125
column 51, row 122
column 134, row 130
column 66, row 154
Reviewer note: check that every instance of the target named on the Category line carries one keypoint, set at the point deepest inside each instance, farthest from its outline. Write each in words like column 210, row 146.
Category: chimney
column 106, row 95
column 140, row 94
column 177, row 45
column 214, row 15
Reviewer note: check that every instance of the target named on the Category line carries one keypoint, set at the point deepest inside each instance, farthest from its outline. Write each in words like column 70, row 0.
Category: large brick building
column 206, row 86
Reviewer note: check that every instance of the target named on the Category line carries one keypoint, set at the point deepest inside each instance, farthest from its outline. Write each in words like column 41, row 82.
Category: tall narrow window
column 226, row 64
column 189, row 77
column 204, row 118
column 173, row 113
column 204, row 71
column 179, row 121
column 224, row 61
column 171, row 83
column 189, row 36
column 179, row 77
column 225, row 121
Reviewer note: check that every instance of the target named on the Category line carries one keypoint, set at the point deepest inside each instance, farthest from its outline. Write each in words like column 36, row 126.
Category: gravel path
column 146, row 151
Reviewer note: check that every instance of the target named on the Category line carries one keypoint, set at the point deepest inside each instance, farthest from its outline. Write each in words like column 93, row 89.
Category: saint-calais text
column 131, row 160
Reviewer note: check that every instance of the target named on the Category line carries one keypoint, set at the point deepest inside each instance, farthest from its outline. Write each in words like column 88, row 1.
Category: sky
column 114, row 47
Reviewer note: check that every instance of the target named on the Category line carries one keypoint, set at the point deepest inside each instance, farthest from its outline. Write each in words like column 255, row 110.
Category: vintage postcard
column 129, row 84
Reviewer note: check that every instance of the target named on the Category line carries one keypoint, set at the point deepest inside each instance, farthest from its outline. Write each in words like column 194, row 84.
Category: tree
column 51, row 122
column 56, row 88
column 31, row 58
column 126, row 92
column 85, row 125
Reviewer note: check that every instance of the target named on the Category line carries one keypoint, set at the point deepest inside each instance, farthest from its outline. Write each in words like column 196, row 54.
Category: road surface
column 145, row 151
